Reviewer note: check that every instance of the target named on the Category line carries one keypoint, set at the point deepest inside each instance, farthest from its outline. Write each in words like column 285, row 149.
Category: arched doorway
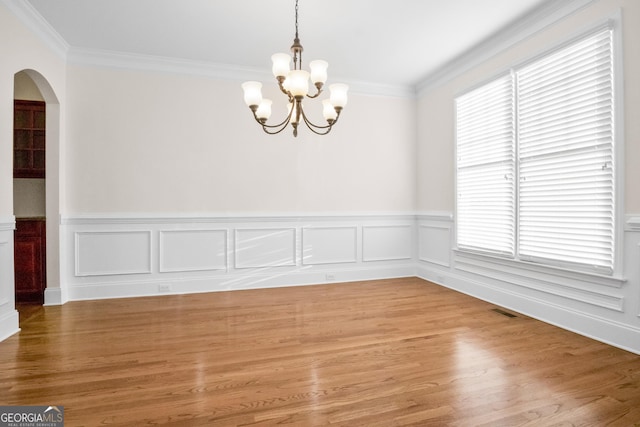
column 45, row 195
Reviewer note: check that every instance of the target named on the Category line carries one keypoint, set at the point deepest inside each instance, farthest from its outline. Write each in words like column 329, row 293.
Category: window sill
column 532, row 270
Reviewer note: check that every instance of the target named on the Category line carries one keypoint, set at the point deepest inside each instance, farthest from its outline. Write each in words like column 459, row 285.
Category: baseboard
column 54, row 296
column 268, row 278
column 9, row 324
column 589, row 325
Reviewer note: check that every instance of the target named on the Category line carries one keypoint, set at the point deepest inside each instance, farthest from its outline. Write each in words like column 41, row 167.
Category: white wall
column 158, row 142
column 159, row 159
column 21, row 50
column 605, row 308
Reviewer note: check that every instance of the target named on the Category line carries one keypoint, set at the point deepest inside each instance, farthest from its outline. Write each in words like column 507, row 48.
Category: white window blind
column 485, row 168
column 535, row 160
column 565, row 142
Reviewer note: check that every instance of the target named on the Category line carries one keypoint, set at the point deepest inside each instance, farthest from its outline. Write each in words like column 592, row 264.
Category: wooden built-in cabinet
column 29, row 253
column 29, row 119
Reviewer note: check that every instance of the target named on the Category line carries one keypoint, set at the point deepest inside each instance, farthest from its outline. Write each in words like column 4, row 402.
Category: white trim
column 305, row 237
column 590, row 325
column 289, row 261
column 549, row 283
column 537, row 269
column 532, row 23
column 613, row 21
column 435, row 226
column 8, row 223
column 216, row 217
column 134, row 61
column 435, row 216
column 632, row 223
column 162, row 250
column 388, row 257
column 9, row 324
column 54, row 296
column 81, row 272
column 268, row 277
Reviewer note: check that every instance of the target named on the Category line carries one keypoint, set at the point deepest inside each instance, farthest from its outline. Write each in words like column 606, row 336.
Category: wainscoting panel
column 104, row 258
column 435, row 242
column 265, row 247
column 9, row 324
column 597, row 306
column 387, row 243
column 112, row 253
column 329, row 245
column 116, row 256
column 193, row 250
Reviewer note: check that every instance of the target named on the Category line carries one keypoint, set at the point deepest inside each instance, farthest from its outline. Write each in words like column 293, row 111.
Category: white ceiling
column 395, row 42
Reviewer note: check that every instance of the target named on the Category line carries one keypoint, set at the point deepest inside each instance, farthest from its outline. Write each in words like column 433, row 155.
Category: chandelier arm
column 318, row 91
column 284, row 123
column 314, row 96
column 283, row 90
column 264, row 128
column 313, row 127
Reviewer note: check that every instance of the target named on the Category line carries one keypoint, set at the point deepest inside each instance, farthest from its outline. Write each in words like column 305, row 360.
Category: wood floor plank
column 396, row 352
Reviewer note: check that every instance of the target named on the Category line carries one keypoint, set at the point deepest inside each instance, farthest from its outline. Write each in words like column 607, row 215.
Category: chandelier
column 294, row 83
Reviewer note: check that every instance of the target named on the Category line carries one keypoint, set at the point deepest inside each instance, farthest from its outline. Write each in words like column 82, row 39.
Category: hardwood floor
column 380, row 353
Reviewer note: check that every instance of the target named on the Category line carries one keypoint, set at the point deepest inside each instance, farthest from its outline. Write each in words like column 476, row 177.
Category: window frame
column 614, row 23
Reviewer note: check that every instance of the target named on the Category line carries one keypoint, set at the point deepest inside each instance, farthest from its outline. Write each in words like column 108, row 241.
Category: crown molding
column 149, row 63
column 26, row 13
column 547, row 14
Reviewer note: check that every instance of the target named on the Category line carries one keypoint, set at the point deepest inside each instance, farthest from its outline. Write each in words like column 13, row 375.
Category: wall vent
column 504, row 313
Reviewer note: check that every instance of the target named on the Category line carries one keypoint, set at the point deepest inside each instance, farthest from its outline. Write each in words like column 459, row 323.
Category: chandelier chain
column 297, row 19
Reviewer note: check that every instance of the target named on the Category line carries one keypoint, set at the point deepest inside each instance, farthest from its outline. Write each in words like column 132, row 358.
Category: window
column 535, row 160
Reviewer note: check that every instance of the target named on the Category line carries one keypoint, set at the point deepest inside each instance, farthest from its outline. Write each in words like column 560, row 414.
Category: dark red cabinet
column 29, row 253
column 29, row 120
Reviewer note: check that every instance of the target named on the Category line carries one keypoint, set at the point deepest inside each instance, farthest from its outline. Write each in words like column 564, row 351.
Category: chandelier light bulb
column 281, row 63
column 328, row 111
column 264, row 110
column 318, row 71
column 298, row 83
column 252, row 93
column 338, row 95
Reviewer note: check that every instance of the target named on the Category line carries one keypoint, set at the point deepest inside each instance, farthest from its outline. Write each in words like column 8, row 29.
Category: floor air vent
column 504, row 313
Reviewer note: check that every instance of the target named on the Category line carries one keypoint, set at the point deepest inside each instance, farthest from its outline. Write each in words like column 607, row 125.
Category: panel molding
column 265, row 247
column 9, row 319
column 87, row 256
column 441, row 235
column 381, row 248
column 332, row 245
column 196, row 256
